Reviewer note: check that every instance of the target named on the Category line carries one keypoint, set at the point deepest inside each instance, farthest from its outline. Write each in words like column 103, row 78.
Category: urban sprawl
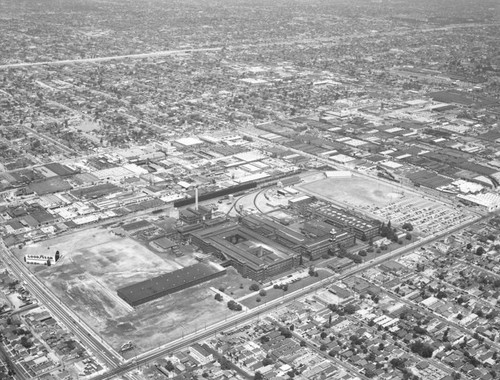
column 250, row 190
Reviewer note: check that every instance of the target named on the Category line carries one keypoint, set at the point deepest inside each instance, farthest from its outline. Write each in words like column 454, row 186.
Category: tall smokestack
column 196, row 198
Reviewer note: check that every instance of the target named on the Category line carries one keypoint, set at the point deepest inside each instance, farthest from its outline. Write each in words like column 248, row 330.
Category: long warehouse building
column 168, row 283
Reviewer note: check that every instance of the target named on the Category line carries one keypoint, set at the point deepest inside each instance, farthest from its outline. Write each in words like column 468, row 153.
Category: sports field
column 95, row 262
column 354, row 191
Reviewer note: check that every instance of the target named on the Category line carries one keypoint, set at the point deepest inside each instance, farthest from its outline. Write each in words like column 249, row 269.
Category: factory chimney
column 196, row 198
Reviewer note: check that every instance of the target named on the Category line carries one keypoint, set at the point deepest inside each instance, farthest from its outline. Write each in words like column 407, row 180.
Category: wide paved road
column 60, row 311
column 333, row 39
column 111, row 58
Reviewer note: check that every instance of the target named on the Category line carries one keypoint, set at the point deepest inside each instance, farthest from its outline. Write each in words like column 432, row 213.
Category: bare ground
column 354, row 191
column 95, row 263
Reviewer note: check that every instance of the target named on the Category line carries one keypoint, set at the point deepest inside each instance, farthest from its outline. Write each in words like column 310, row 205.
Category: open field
column 355, row 191
column 388, row 203
column 234, row 285
column 96, row 262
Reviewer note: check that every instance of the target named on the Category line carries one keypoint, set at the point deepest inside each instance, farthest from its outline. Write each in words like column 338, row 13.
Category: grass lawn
column 272, row 293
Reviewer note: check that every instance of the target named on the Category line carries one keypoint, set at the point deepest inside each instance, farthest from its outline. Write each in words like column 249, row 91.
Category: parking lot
column 426, row 216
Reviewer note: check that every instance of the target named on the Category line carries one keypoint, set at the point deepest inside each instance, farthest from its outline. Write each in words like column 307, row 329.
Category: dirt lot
column 354, row 191
column 96, row 262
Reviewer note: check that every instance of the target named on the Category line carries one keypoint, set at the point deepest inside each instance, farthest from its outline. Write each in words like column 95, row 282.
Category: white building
column 40, row 259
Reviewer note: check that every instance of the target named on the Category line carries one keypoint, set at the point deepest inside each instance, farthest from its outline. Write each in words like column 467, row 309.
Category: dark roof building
column 168, row 283
column 361, row 228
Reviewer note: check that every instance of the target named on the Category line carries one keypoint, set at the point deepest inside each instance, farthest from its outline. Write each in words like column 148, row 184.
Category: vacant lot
column 96, row 262
column 355, row 191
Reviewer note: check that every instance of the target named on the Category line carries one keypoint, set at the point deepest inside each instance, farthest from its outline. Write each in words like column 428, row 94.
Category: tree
column 407, row 226
column 285, row 332
column 267, row 361
column 398, row 363
column 369, row 373
column 423, row 349
column 356, row 340
column 441, row 294
column 350, row 308
column 218, row 297
column 224, row 363
column 420, row 330
column 169, row 366
column 254, row 287
column 262, row 293
column 25, row 342
column 356, row 259
column 480, row 251
column 492, row 314
column 362, row 253
column 232, row 305
column 258, row 376
column 49, row 263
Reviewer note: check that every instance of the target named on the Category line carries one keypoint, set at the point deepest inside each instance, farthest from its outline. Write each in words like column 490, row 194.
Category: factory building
column 251, row 254
column 259, row 247
column 168, row 283
column 362, row 229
